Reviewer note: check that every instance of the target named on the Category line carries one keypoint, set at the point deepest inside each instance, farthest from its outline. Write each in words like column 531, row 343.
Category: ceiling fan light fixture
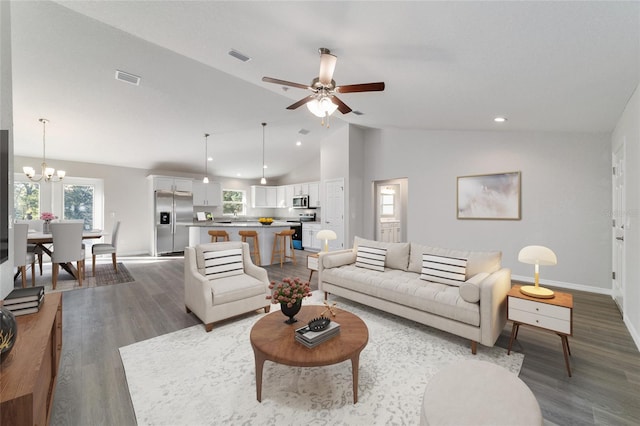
column 322, row 107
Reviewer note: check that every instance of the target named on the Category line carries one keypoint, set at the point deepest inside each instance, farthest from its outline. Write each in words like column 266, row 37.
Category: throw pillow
column 443, row 270
column 371, row 258
column 223, row 263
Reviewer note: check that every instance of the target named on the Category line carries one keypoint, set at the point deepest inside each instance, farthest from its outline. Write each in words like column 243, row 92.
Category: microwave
column 300, row 202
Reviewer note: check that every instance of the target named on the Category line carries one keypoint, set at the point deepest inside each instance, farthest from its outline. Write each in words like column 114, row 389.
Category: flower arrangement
column 47, row 216
column 289, row 292
column 265, row 220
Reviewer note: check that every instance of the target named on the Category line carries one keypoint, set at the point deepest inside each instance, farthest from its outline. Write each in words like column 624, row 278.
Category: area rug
column 191, row 377
column 105, row 275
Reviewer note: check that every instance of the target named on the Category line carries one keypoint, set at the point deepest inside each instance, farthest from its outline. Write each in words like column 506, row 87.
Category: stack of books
column 22, row 301
column 311, row 339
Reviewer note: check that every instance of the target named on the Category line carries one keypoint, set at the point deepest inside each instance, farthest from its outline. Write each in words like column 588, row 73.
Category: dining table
column 44, row 240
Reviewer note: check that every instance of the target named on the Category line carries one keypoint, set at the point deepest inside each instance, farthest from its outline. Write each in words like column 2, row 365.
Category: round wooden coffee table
column 274, row 340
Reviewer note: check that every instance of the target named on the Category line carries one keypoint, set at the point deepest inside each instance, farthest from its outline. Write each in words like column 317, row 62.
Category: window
column 233, row 202
column 78, row 203
column 73, row 198
column 26, row 200
column 388, row 204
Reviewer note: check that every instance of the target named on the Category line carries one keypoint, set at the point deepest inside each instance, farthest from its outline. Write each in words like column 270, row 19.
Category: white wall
column 6, row 123
column 566, row 195
column 628, row 131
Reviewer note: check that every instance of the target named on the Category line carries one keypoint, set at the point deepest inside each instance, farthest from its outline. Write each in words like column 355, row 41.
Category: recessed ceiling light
column 265, row 166
column 500, row 119
column 209, row 158
column 298, row 143
column 238, row 174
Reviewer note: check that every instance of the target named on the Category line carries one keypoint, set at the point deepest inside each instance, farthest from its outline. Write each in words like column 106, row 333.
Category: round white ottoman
column 474, row 392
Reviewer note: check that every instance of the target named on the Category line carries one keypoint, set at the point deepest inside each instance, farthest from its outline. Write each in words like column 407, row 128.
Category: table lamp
column 537, row 255
column 326, row 235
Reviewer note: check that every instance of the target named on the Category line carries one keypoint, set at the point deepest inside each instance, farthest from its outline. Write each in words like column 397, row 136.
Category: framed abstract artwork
column 493, row 196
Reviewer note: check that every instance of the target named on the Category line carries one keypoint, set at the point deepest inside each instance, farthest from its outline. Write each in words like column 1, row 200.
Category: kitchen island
column 199, row 234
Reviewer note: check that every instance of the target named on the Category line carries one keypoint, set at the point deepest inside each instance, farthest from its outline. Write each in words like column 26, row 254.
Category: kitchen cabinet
column 309, row 232
column 263, row 196
column 207, row 194
column 167, row 183
column 301, row 189
column 281, row 197
column 314, row 194
column 289, row 192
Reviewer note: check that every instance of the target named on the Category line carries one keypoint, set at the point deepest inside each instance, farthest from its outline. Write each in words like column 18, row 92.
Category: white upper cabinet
column 264, row 196
column 314, row 194
column 165, row 183
column 281, row 196
column 207, row 194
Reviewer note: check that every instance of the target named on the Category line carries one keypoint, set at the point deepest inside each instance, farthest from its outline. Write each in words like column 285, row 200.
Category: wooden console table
column 28, row 375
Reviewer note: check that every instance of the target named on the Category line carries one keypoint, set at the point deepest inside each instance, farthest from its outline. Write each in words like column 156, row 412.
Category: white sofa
column 473, row 308
column 218, row 290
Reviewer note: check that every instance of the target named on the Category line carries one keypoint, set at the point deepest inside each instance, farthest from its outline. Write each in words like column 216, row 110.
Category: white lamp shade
column 326, row 234
column 537, row 255
column 321, row 107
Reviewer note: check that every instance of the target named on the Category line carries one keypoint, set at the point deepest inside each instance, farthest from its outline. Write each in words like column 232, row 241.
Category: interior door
column 619, row 220
column 333, row 211
column 390, row 203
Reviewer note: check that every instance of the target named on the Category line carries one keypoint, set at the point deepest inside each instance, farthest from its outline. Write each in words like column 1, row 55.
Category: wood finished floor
column 92, row 389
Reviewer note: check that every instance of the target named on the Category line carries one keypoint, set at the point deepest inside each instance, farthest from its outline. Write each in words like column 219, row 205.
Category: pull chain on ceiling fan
column 323, row 102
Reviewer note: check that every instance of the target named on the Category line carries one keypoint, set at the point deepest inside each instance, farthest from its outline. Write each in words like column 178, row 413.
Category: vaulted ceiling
column 546, row 66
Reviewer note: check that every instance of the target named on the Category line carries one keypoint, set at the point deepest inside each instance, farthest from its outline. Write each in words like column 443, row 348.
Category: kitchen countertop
column 239, row 224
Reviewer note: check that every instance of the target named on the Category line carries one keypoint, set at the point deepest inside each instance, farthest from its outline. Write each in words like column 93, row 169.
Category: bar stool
column 256, row 246
column 280, row 239
column 218, row 234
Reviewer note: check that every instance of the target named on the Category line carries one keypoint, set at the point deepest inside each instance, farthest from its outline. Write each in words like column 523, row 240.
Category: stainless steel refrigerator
column 173, row 212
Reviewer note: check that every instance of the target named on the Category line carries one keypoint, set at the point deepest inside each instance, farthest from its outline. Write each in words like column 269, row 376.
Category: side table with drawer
column 554, row 315
column 312, row 263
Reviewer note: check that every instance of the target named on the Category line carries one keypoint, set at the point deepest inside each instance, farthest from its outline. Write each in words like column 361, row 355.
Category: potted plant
column 289, row 293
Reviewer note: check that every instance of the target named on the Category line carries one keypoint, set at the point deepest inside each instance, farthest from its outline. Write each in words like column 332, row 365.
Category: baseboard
column 562, row 284
column 634, row 333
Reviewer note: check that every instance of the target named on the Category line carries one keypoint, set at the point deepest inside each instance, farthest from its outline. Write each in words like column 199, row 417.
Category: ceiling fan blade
column 327, row 67
column 302, row 102
column 364, row 87
column 285, row 83
column 342, row 107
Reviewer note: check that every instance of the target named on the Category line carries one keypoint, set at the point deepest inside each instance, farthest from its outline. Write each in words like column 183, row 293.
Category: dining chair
column 22, row 257
column 36, row 249
column 67, row 248
column 106, row 248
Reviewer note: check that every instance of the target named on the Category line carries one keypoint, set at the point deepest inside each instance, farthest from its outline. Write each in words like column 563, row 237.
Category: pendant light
column 47, row 172
column 206, row 159
column 263, row 181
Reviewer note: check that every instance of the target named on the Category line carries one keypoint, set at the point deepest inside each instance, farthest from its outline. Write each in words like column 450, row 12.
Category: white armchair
column 221, row 281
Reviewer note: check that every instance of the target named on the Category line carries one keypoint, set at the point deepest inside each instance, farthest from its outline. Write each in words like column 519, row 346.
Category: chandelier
column 47, row 172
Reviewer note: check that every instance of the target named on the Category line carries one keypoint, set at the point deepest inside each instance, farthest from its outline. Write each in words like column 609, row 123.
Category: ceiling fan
column 323, row 101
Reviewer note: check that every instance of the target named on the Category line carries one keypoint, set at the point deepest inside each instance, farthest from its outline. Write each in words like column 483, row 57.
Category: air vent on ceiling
column 358, row 112
column 303, row 131
column 127, row 78
column 238, row 55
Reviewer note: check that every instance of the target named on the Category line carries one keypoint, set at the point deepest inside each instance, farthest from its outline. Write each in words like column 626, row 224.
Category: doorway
column 619, row 219
column 390, row 201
